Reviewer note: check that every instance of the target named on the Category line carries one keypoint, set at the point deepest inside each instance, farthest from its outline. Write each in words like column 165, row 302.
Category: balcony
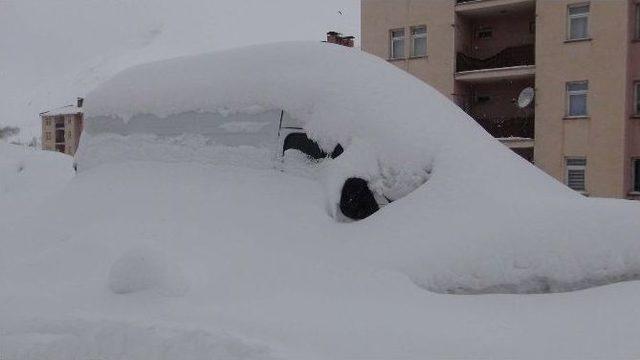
column 509, row 128
column 512, row 63
column 487, row 7
column 523, row 55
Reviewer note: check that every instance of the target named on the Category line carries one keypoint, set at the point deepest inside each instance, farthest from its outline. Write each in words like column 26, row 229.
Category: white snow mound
column 486, row 220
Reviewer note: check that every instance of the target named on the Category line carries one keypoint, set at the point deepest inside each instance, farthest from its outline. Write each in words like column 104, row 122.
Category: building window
column 419, row 41
column 59, row 136
column 484, row 33
column 532, row 27
column 578, row 22
column 47, row 122
column 636, row 98
column 637, row 29
column 635, row 172
column 397, row 44
column 47, row 136
column 577, row 98
column 576, row 174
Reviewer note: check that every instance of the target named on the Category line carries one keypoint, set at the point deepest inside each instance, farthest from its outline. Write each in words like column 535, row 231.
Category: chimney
column 80, row 102
column 337, row 38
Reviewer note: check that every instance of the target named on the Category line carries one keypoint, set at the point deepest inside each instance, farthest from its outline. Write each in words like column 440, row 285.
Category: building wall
column 609, row 137
column 603, row 62
column 380, row 16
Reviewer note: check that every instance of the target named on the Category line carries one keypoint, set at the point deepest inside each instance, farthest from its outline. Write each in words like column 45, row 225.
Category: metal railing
column 509, row 57
column 501, row 127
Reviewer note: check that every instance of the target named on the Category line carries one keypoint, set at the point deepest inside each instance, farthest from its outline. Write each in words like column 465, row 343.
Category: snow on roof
column 64, row 110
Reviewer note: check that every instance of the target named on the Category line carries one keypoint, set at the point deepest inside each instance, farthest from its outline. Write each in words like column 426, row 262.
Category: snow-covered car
column 189, row 232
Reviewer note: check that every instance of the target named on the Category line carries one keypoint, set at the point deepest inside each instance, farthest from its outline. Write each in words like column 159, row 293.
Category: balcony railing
column 518, row 127
column 509, row 57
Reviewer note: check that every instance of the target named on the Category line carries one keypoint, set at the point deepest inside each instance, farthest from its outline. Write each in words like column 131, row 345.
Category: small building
column 62, row 127
column 339, row 39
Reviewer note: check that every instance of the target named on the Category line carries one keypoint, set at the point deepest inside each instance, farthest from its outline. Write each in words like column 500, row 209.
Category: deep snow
column 264, row 281
column 169, row 243
column 28, row 177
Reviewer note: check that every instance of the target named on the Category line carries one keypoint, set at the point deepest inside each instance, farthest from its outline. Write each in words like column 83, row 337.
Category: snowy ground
column 211, row 277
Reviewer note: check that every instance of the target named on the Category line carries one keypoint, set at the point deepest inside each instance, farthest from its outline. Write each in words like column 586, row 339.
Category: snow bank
column 28, row 177
column 266, row 265
column 82, row 339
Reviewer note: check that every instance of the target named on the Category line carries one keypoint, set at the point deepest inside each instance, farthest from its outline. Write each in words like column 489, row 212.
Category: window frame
column 418, row 36
column 570, row 93
column 635, row 161
column 636, row 98
column 583, row 168
column 393, row 39
column 637, row 23
column 571, row 17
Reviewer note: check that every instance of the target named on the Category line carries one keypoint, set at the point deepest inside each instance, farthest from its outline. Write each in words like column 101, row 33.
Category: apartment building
column 580, row 58
column 62, row 127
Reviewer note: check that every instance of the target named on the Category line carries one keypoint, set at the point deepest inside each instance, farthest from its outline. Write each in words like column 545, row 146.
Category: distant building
column 581, row 57
column 339, row 39
column 62, row 127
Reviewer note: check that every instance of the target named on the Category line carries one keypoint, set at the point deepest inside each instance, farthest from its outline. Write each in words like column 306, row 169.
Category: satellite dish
column 526, row 97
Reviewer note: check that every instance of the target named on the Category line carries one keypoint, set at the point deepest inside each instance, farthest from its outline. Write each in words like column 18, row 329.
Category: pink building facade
column 581, row 58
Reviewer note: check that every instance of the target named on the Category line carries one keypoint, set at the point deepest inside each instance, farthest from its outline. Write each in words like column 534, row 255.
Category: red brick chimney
column 337, row 38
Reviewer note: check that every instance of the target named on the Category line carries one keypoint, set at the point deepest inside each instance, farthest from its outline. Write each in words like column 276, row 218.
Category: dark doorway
column 357, row 201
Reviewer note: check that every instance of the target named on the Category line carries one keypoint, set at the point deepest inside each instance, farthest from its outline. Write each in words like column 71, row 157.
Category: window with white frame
column 576, row 171
column 419, row 41
column 578, row 22
column 636, row 98
column 577, row 98
column 635, row 172
column 397, row 44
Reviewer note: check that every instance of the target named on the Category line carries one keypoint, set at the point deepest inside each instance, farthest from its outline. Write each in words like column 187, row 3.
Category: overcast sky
column 54, row 50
